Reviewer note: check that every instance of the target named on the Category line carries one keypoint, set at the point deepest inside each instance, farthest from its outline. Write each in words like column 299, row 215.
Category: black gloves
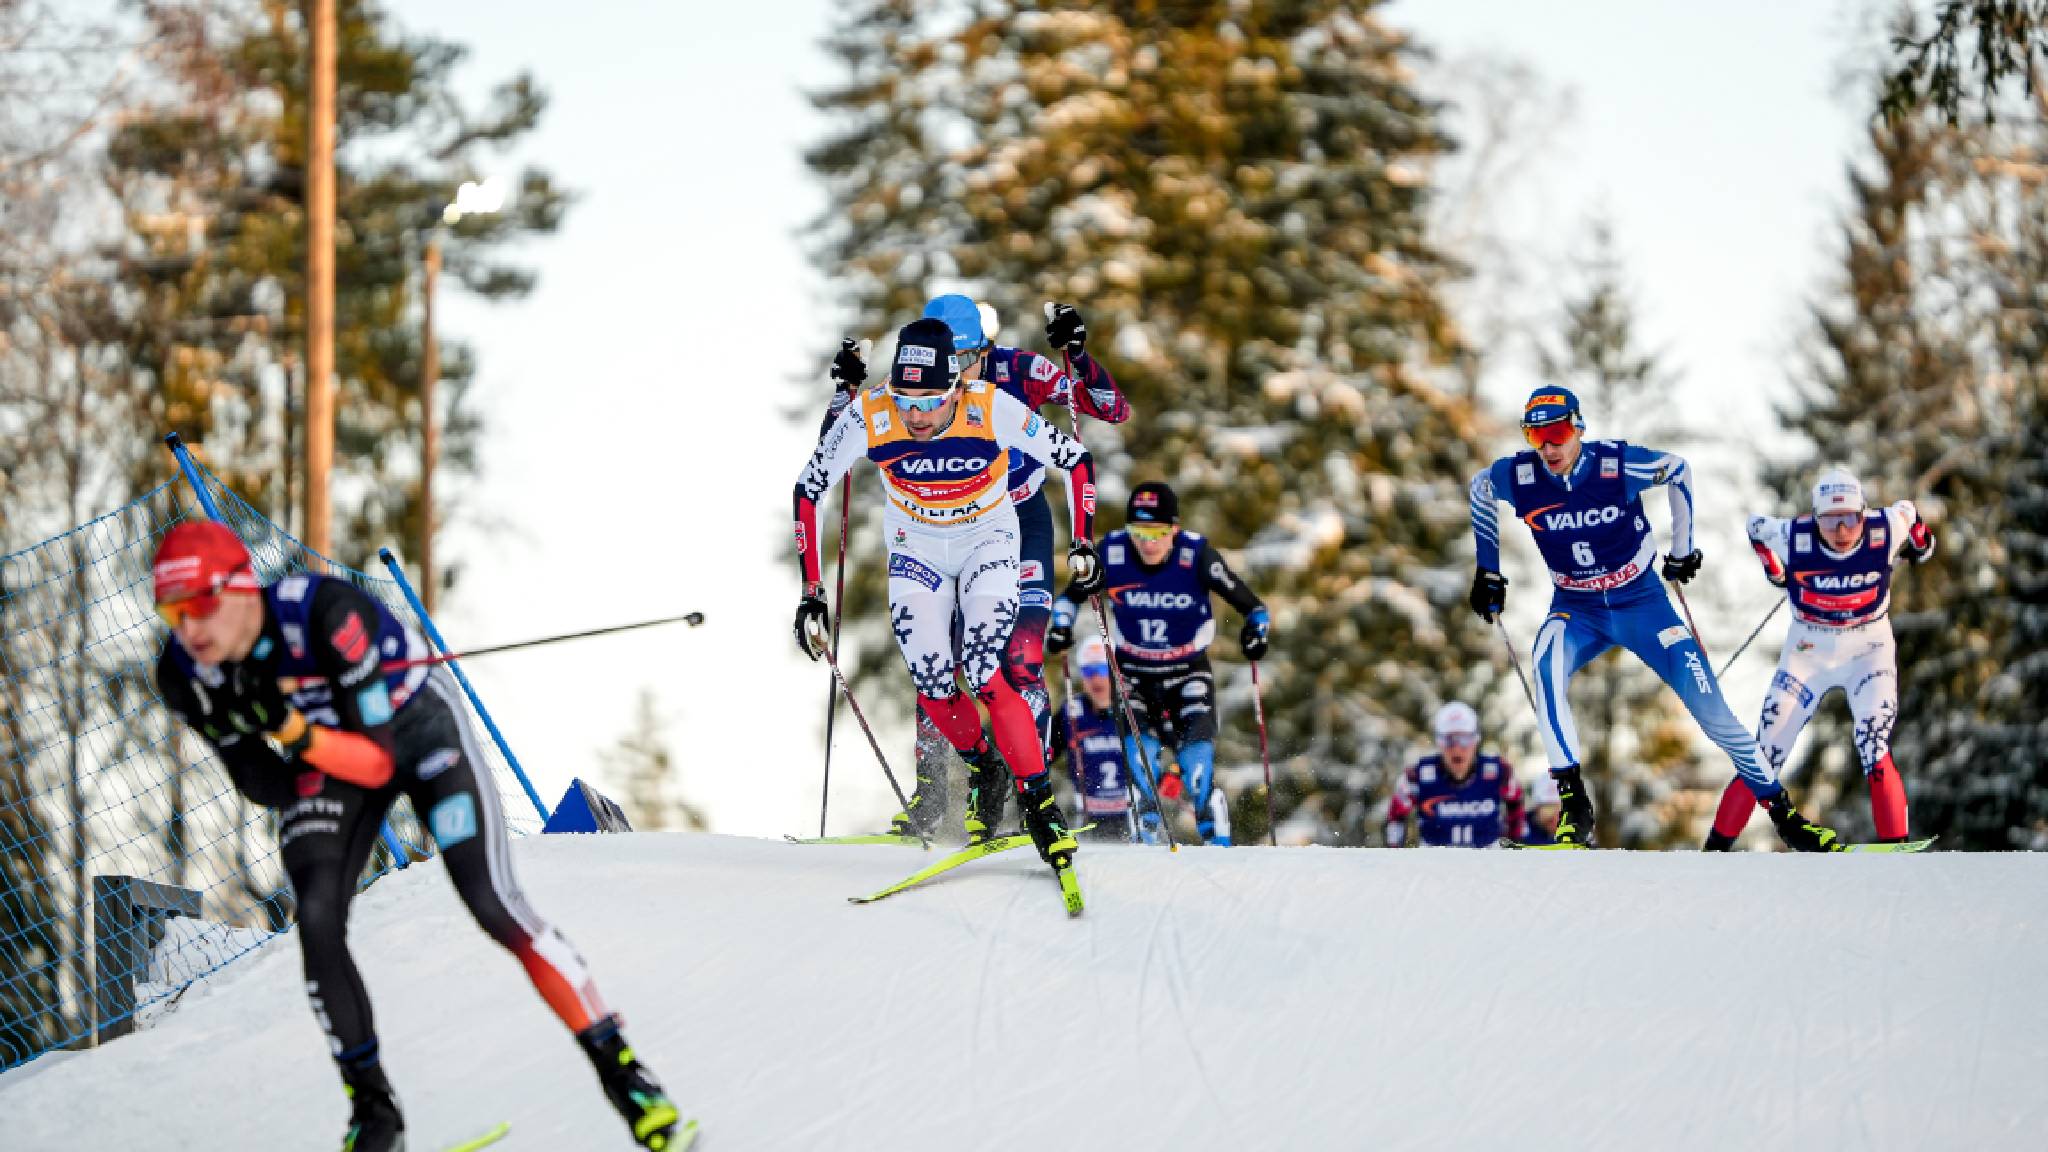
column 848, row 371
column 1065, row 329
column 1252, row 638
column 1680, row 569
column 1060, row 636
column 1084, row 571
column 1489, row 593
column 813, row 634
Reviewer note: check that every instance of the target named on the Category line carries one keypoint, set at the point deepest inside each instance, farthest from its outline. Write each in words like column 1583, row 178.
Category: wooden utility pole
column 320, row 282
column 430, row 437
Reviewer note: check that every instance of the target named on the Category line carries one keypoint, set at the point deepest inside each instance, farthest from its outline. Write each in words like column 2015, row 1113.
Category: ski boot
column 987, row 789
column 1718, row 841
column 927, row 807
column 630, row 1086
column 1799, row 833
column 374, row 1122
column 1042, row 818
column 1575, row 809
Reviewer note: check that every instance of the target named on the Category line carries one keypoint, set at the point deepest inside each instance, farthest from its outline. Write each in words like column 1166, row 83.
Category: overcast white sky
column 639, row 465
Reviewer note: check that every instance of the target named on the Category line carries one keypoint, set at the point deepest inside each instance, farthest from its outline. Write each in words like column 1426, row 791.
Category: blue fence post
column 191, row 471
column 190, row 468
column 434, row 634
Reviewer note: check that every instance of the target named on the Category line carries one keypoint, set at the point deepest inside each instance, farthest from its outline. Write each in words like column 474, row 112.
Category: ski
column 1069, row 886
column 875, row 838
column 1906, row 846
column 946, row 864
column 485, row 1140
column 1504, row 842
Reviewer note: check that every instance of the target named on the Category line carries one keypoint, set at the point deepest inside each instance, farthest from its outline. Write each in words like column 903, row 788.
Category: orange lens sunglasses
column 1555, row 432
column 195, row 607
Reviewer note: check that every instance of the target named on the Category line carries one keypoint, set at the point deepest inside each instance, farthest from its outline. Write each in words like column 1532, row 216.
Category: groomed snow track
column 1241, row 999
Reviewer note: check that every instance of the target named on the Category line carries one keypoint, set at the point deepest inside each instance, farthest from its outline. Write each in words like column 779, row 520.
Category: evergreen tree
column 1926, row 373
column 1637, row 739
column 645, row 772
column 210, row 179
column 1237, row 195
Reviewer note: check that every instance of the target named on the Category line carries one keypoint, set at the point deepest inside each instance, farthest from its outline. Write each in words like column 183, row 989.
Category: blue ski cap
column 963, row 316
column 1550, row 405
column 924, row 357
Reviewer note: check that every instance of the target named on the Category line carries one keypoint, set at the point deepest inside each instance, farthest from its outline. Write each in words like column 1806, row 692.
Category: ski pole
column 693, row 619
column 1116, row 676
column 1131, row 734
column 1259, row 710
column 1680, row 589
column 1723, row 673
column 838, row 609
column 839, row 678
column 1517, row 662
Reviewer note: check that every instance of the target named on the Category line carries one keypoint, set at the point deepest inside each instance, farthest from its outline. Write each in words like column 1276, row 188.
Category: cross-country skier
column 1583, row 501
column 1836, row 567
column 1034, row 381
column 1158, row 577
column 1460, row 798
column 289, row 685
column 1085, row 732
column 1542, row 805
column 943, row 448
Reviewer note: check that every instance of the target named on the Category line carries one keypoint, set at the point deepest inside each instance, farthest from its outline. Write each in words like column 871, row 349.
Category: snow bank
column 1215, row 999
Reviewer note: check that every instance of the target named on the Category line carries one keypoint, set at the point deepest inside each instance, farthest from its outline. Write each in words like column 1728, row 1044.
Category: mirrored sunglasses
column 1555, row 432
column 1458, row 739
column 1150, row 531
column 1834, row 521
column 920, row 403
column 196, row 607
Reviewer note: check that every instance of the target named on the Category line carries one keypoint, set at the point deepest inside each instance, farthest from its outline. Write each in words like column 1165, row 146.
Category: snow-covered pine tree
column 1236, row 194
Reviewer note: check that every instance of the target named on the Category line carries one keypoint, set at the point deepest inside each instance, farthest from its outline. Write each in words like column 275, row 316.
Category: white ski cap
column 1452, row 718
column 1543, row 791
column 1837, row 490
column 1092, row 652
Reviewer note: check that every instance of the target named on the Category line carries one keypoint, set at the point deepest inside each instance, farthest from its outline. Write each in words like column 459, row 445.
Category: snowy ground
column 1239, row 999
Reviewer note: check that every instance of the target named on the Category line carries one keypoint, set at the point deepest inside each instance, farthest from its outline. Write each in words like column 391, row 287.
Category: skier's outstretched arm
column 1911, row 538
column 359, row 750
column 254, row 767
column 1514, row 803
column 1771, row 538
column 1489, row 588
column 835, row 455
column 1648, row 468
column 1399, row 807
column 1020, row 428
column 1219, row 579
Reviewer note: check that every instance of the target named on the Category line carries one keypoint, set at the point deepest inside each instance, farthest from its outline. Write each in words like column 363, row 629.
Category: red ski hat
column 201, row 558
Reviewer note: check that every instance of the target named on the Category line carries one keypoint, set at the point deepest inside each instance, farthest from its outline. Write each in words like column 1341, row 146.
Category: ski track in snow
column 1235, row 999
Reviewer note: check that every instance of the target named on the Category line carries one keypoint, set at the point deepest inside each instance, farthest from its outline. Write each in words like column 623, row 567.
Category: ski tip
column 483, row 1141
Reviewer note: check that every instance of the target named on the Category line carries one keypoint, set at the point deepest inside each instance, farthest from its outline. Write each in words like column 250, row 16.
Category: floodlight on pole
column 471, row 199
